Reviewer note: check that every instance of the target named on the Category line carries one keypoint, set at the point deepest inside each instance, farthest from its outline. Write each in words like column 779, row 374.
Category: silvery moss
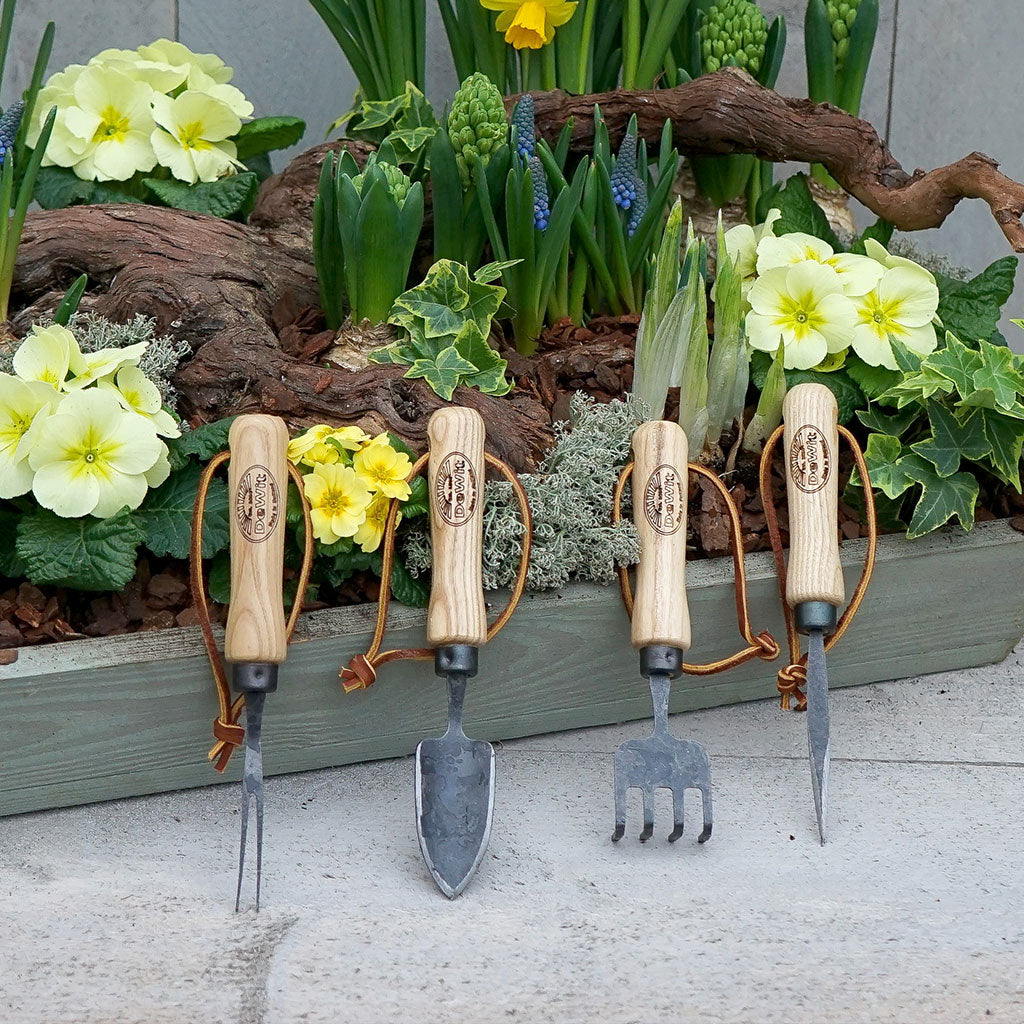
column 571, row 500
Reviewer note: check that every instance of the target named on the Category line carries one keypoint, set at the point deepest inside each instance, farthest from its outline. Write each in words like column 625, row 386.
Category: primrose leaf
column 220, row 579
column 952, row 440
column 82, row 554
column 204, row 442
column 957, row 363
column 58, row 187
column 263, row 134
column 166, row 515
column 883, row 455
column 417, row 504
column 799, row 211
column 444, row 373
column 874, row 381
column 1006, row 439
column 941, row 497
column 11, row 566
column 232, row 196
column 999, row 374
column 971, row 309
column 408, row 589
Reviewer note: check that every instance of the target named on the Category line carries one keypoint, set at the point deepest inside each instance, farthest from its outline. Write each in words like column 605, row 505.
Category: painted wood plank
column 129, row 715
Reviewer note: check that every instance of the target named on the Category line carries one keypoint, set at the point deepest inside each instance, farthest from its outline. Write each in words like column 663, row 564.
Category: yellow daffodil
column 91, row 457
column 46, row 355
column 193, row 136
column 168, row 51
column 370, row 534
column 900, row 307
column 338, row 501
column 24, row 406
column 741, row 242
column 108, row 126
column 804, row 307
column 138, row 394
column 529, row 24
column 383, row 469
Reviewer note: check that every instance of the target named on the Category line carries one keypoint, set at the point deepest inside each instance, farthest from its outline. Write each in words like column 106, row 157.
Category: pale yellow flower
column 338, row 501
column 199, row 81
column 323, row 453
column 168, row 51
column 383, row 469
column 46, row 355
column 878, row 252
column 351, row 438
column 159, row 75
column 741, row 242
column 58, row 91
column 370, row 534
column 91, row 457
column 790, row 249
column 900, row 307
column 24, row 406
column 90, row 367
column 857, row 274
column 192, row 139
column 529, row 24
column 138, row 394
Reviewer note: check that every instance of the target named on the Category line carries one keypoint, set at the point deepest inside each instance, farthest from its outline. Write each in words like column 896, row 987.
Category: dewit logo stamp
column 810, row 461
column 257, row 504
column 664, row 501
column 455, row 489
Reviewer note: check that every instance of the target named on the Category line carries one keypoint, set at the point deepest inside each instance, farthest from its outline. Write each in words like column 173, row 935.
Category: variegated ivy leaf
column 952, row 439
column 999, row 374
column 492, row 271
column 490, row 367
column 1006, row 439
column 883, row 456
column 437, row 305
column 941, row 499
column 957, row 363
column 444, row 373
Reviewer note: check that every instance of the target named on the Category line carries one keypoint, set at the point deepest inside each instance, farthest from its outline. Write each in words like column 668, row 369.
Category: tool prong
column 677, row 810
column 252, row 790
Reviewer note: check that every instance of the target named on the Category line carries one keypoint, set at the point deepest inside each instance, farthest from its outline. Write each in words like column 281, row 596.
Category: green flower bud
column 841, row 16
column 733, row 29
column 477, row 123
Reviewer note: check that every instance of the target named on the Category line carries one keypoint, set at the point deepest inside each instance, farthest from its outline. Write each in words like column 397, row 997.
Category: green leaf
column 952, row 440
column 957, row 363
column 874, row 381
column 799, row 211
column 883, row 456
column 407, row 589
column 438, row 302
column 220, row 579
column 204, row 442
column 166, row 515
column 59, row 187
column 444, row 373
column 999, row 374
column 881, row 231
column 11, row 565
column 490, row 375
column 942, row 498
column 896, row 424
column 232, row 196
column 82, row 554
column 263, row 134
column 849, row 396
column 418, row 502
column 971, row 309
column 1006, row 439
column 492, row 271
column 72, row 297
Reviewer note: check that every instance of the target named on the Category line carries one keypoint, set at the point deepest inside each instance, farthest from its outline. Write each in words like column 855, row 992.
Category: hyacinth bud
column 397, row 181
column 541, row 209
column 624, row 179
column 841, row 17
column 476, row 124
column 9, row 124
column 526, row 132
column 735, row 31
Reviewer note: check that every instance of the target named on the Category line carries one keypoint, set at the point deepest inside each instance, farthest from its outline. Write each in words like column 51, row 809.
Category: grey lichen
column 571, row 501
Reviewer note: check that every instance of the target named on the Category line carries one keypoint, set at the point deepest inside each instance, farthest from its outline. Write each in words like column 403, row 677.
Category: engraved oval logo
column 257, row 504
column 810, row 461
column 455, row 490
column 664, row 500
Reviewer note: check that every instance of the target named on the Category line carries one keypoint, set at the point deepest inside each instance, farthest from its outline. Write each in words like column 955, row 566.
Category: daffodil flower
column 169, row 51
column 900, row 307
column 138, row 394
column 91, row 457
column 804, row 307
column 383, row 469
column 338, row 501
column 24, row 406
column 370, row 534
column 741, row 242
column 109, row 125
column 192, row 137
column 529, row 24
column 46, row 354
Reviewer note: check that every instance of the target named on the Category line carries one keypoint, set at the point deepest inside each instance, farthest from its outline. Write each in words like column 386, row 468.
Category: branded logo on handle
column 810, row 461
column 257, row 504
column 455, row 490
column 665, row 500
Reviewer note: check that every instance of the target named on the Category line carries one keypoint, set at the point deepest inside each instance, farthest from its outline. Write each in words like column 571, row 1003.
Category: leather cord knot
column 359, row 674
column 791, row 682
column 770, row 648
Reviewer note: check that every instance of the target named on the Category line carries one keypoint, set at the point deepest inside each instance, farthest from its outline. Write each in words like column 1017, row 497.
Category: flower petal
column 909, row 296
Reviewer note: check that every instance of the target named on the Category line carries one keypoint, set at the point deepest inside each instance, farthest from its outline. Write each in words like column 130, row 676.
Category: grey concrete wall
column 945, row 78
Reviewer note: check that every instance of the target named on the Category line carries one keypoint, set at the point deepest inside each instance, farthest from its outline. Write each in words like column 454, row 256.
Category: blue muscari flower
column 638, row 209
column 526, row 132
column 541, row 210
column 624, row 179
column 9, row 124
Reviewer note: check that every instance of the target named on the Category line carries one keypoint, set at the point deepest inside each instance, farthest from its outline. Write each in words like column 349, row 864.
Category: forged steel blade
column 818, row 725
column 252, row 790
column 454, row 798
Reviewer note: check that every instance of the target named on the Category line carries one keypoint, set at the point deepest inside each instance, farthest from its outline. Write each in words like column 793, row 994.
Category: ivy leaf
column 263, row 134
column 874, row 381
column 166, row 515
column 999, row 374
column 436, row 306
column 883, row 457
column 407, row 589
column 204, row 442
column 941, row 499
column 971, row 309
column 896, row 424
column 888, row 511
column 444, row 373
column 231, row 196
column 490, row 375
column 952, row 440
column 957, row 363
column 1006, row 440
column 492, row 271
column 82, row 554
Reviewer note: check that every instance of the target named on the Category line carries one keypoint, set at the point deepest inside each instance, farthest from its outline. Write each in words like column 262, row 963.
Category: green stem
column 630, row 43
column 586, row 52
column 548, row 75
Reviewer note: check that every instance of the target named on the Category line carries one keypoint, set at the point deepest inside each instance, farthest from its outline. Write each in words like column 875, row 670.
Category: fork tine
column 648, row 830
column 705, row 796
column 677, row 809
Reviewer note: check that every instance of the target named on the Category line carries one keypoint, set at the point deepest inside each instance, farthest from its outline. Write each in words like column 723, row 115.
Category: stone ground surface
column 914, row 911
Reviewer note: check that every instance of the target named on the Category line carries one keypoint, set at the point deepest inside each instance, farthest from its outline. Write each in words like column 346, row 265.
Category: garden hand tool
column 255, row 637
column 454, row 774
column 814, row 581
column 661, row 631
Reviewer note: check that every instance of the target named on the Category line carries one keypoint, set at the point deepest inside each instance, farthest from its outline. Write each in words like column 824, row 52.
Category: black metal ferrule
column 254, row 677
column 661, row 659
column 463, row 659
column 815, row 616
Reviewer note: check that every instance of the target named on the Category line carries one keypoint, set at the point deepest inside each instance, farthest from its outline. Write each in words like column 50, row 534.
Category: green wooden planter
column 99, row 719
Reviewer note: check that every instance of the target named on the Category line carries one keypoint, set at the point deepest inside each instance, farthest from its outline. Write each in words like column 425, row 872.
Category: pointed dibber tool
column 255, row 638
column 454, row 774
column 661, row 632
column 814, row 580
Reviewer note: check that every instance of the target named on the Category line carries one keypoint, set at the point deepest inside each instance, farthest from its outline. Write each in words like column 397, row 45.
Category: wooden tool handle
column 455, row 475
column 812, row 485
column 660, row 613
column 257, row 486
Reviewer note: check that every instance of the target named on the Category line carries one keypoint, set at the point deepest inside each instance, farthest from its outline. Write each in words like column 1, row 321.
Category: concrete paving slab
column 123, row 911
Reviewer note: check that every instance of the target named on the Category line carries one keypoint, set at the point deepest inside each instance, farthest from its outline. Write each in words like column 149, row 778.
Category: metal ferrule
column 254, row 677
column 461, row 659
column 661, row 659
column 815, row 617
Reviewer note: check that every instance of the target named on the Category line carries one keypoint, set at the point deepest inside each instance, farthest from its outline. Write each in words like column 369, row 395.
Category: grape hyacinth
column 526, row 132
column 9, row 124
column 624, row 179
column 541, row 209
column 638, row 209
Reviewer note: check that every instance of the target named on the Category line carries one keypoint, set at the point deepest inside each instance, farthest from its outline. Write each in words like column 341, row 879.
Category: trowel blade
column 454, row 801
column 818, row 727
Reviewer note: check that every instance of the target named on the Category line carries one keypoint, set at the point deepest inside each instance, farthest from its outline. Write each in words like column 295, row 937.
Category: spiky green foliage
column 477, row 123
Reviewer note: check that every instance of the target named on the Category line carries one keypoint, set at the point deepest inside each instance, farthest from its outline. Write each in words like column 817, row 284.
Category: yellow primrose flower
column 108, row 126
column 138, row 394
column 321, row 454
column 159, row 75
column 24, row 406
column 89, row 367
column 790, row 249
column 91, row 457
column 199, row 81
column 192, row 137
column 46, row 354
column 370, row 534
column 900, row 307
column 878, row 252
column 529, row 24
column 857, row 274
column 338, row 501
column 741, row 242
column 168, row 51
column 59, row 91
column 383, row 469
column 804, row 307
column 298, row 446
column 351, row 438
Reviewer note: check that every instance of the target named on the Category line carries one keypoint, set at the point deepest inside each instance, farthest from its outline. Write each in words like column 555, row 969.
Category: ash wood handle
column 811, row 442
column 660, row 612
column 257, row 488
column 455, row 476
